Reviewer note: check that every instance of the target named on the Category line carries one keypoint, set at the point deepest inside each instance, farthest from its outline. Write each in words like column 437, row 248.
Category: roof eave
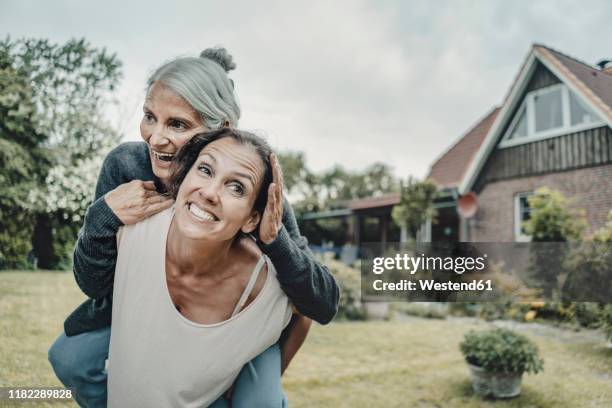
column 489, row 142
column 575, row 84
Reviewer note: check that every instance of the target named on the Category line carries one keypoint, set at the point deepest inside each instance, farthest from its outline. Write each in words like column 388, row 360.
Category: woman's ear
column 252, row 222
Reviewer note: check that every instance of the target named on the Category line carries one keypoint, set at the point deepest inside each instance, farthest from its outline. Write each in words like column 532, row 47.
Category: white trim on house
column 518, row 231
column 532, row 135
column 511, row 100
column 509, row 106
column 551, row 134
column 578, row 91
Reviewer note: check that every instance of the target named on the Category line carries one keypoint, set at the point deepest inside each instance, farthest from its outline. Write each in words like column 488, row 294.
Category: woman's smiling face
column 216, row 198
column 168, row 123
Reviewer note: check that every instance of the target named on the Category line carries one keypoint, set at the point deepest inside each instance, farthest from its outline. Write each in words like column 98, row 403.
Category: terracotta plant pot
column 498, row 385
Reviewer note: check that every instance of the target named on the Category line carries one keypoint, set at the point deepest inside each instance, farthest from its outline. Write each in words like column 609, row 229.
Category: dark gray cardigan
column 308, row 283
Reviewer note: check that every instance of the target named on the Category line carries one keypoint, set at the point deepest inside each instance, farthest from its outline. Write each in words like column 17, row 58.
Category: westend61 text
column 429, row 284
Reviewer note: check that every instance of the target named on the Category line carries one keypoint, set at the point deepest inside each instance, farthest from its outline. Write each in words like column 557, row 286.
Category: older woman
column 193, row 299
column 184, row 97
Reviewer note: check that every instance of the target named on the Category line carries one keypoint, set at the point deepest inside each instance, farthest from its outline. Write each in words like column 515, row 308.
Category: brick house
column 553, row 129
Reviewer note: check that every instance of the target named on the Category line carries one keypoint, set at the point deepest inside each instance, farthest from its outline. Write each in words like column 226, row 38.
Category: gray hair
column 204, row 84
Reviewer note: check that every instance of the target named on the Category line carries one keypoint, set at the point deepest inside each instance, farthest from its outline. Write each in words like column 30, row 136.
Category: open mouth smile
column 201, row 214
column 161, row 156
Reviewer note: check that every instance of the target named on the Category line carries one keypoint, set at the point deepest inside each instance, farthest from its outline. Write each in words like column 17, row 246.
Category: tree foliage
column 553, row 219
column 416, row 205
column 310, row 191
column 53, row 135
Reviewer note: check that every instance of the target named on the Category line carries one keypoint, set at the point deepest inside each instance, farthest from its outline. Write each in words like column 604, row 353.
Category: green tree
column 588, row 266
column 553, row 220
column 53, row 135
column 341, row 184
column 310, row 191
column 416, row 205
column 303, row 187
column 21, row 163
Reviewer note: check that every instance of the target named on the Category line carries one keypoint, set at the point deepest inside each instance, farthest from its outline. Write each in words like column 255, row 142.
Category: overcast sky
column 346, row 82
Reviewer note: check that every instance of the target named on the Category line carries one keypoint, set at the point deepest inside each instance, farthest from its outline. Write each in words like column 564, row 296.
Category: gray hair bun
column 221, row 56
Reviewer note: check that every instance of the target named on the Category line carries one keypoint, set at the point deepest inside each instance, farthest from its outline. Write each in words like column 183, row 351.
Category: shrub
column 501, row 350
column 464, row 308
column 589, row 314
column 589, row 266
column 428, row 310
column 53, row 134
column 15, row 237
column 553, row 219
column 504, row 309
column 604, row 234
column 558, row 311
column 349, row 280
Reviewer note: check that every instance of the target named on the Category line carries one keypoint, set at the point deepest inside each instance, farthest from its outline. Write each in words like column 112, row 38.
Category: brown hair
column 188, row 154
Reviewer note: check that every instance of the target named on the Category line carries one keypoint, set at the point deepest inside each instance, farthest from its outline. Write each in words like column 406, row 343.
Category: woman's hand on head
column 134, row 201
column 272, row 218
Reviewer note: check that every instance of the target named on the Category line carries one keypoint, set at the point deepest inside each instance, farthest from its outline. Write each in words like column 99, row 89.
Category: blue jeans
column 79, row 362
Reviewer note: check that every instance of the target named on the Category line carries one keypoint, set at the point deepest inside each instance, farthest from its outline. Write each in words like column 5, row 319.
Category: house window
column 579, row 112
column 520, row 130
column 549, row 112
column 522, row 213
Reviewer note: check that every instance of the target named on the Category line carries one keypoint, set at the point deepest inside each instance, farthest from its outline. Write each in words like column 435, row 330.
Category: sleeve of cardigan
column 306, row 281
column 95, row 254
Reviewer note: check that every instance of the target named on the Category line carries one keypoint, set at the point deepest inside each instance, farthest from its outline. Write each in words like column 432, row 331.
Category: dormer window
column 520, row 129
column 548, row 109
column 549, row 112
column 579, row 112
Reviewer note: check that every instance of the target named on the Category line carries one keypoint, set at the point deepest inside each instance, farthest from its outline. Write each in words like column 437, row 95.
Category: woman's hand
column 134, row 201
column 272, row 219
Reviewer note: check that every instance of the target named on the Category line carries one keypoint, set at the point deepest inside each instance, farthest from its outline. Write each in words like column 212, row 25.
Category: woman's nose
column 158, row 138
column 210, row 193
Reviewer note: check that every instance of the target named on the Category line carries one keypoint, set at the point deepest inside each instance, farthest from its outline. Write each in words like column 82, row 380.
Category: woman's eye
column 237, row 188
column 175, row 124
column 148, row 117
column 204, row 169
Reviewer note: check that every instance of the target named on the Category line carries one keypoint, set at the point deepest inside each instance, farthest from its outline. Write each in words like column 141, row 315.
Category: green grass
column 412, row 363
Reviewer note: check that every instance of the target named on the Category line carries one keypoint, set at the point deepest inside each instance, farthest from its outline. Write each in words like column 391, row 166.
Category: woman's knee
column 62, row 360
column 79, row 357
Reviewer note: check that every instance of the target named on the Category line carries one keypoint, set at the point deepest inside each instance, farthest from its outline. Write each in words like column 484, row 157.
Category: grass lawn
column 412, row 363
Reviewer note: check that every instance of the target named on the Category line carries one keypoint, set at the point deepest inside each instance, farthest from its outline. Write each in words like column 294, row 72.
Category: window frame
column 528, row 105
column 518, row 233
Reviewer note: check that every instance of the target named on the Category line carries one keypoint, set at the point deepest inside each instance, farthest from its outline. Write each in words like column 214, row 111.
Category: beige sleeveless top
column 159, row 358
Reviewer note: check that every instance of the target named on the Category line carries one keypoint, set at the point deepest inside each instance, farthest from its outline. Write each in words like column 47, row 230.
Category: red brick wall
column 591, row 189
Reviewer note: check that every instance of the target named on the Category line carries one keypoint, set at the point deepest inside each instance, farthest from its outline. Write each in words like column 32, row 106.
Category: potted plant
column 497, row 359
